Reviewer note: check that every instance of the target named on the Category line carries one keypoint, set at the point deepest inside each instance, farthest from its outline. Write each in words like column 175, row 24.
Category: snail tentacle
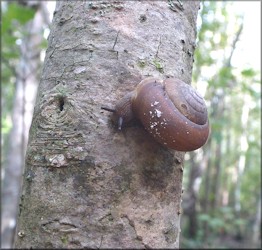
column 120, row 123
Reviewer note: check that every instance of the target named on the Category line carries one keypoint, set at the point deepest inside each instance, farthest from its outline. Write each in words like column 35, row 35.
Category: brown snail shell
column 171, row 111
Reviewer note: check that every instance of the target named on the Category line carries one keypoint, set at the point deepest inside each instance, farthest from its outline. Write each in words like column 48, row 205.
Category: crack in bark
column 132, row 224
column 159, row 44
column 56, row 225
column 115, row 40
column 175, row 6
column 101, row 242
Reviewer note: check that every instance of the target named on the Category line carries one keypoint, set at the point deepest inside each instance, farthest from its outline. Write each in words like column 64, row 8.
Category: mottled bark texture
column 85, row 183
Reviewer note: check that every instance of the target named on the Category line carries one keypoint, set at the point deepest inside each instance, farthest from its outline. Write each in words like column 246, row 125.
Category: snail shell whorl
column 187, row 100
column 173, row 112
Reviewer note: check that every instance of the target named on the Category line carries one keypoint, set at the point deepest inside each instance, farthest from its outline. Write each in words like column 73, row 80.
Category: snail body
column 171, row 111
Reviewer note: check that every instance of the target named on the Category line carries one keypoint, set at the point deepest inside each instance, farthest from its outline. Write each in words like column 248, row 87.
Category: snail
column 171, row 111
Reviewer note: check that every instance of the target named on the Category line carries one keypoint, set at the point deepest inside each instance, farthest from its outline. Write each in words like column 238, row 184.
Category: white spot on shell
column 152, row 125
column 162, row 124
column 158, row 113
column 187, row 132
column 154, row 104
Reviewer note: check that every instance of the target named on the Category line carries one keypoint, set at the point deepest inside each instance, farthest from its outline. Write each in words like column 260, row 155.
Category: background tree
column 218, row 191
column 21, row 64
column 85, row 184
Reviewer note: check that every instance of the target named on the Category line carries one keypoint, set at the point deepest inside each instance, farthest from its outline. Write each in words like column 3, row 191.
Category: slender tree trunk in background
column 86, row 184
column 256, row 230
column 25, row 93
column 218, row 105
column 216, row 178
column 240, row 166
column 190, row 201
column 205, row 201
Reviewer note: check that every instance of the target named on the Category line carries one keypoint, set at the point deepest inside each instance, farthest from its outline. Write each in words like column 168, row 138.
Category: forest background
column 222, row 181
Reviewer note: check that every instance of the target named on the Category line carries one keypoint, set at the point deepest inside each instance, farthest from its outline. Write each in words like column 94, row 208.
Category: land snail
column 171, row 111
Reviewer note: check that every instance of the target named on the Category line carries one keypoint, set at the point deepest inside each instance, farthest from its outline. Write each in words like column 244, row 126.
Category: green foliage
column 230, row 93
column 13, row 19
column 222, row 222
column 248, row 73
column 16, row 13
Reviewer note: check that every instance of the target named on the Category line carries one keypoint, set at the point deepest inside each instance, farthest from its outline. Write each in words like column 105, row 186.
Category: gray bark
column 85, row 183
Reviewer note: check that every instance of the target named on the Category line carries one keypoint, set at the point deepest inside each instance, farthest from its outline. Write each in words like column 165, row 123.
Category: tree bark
column 85, row 183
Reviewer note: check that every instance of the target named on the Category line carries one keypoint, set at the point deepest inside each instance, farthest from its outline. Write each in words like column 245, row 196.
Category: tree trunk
column 85, row 183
